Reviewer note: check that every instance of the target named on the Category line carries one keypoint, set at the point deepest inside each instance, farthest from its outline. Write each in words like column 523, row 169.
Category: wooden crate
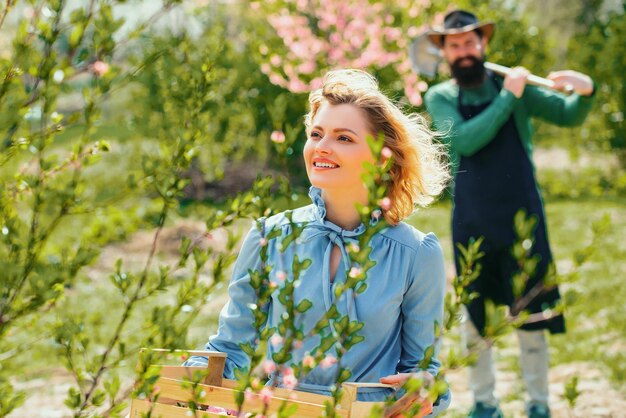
column 220, row 392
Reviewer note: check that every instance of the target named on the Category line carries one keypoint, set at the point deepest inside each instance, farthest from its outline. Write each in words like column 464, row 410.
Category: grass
column 596, row 330
column 596, row 327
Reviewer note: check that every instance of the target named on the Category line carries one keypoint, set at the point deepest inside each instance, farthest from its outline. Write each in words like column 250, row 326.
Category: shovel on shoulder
column 426, row 57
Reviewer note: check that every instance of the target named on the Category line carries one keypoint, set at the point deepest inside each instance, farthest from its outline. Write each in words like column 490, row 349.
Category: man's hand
column 572, row 80
column 515, row 81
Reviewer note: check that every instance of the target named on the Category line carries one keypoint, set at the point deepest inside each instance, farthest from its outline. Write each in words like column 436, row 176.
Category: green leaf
column 304, row 306
column 112, row 386
column 344, row 375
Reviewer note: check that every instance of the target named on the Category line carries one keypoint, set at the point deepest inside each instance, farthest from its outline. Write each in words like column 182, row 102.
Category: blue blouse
column 403, row 300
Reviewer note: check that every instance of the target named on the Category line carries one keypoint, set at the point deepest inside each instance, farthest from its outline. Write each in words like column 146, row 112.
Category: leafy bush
column 587, row 182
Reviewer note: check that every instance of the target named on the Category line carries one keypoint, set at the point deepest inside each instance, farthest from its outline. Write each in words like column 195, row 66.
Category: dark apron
column 491, row 186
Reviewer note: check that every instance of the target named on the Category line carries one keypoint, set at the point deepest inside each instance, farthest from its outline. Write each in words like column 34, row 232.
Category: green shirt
column 466, row 137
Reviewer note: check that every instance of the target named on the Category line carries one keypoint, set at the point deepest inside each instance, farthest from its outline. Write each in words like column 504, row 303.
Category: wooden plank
column 362, row 409
column 177, row 372
column 284, row 393
column 214, row 378
column 225, row 398
column 216, row 370
column 186, row 373
column 204, row 353
column 348, row 398
column 369, row 385
column 139, row 407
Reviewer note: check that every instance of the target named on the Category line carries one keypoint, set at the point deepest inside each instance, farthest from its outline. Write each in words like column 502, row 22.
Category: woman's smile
column 324, row 164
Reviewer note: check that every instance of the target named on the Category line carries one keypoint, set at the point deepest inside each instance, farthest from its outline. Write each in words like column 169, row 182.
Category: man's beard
column 469, row 76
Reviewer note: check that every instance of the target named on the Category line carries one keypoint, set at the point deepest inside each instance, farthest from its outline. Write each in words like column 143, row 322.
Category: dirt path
column 599, row 398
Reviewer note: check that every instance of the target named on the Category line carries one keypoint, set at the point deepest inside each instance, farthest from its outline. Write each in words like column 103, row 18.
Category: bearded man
column 486, row 122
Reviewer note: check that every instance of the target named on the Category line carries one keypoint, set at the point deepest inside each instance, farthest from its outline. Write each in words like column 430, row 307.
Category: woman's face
column 337, row 147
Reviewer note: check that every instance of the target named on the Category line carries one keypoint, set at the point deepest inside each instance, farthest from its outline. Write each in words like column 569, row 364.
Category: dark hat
column 459, row 21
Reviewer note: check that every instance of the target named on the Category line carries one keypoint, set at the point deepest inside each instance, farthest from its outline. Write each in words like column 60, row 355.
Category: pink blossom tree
column 319, row 35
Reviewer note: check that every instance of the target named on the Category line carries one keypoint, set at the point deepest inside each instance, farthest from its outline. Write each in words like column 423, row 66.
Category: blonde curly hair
column 420, row 170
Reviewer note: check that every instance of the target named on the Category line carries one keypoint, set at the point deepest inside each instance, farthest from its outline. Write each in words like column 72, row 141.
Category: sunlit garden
column 140, row 141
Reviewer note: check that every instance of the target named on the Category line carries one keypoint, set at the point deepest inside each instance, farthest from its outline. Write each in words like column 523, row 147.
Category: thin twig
column 5, row 12
column 126, row 315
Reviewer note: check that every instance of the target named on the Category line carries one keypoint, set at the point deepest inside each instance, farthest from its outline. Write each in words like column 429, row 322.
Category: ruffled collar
column 315, row 194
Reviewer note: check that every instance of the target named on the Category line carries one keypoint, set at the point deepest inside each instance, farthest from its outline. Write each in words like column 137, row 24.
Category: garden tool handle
column 531, row 79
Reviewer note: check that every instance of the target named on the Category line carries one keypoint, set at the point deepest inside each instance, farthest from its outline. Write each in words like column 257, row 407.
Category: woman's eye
column 344, row 138
column 315, row 135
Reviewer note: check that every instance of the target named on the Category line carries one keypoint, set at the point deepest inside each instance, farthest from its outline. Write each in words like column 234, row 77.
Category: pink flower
column 413, row 32
column 376, row 213
column 278, row 137
column 415, row 98
column 300, row 49
column 335, row 38
column 275, row 60
column 269, row 366
column 316, row 83
column 385, row 203
column 266, row 395
column 386, row 153
column 262, row 242
column 355, row 272
column 100, row 68
column 422, row 86
column 328, row 361
column 308, row 361
column 277, row 80
column 281, row 275
column 296, row 86
column 276, row 340
column 217, row 410
column 248, row 395
column 307, row 67
column 354, row 248
column 297, row 344
column 290, row 381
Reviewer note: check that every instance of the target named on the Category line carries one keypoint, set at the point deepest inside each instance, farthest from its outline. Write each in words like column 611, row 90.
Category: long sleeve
column 422, row 305
column 236, row 323
column 422, row 308
column 466, row 137
column 556, row 107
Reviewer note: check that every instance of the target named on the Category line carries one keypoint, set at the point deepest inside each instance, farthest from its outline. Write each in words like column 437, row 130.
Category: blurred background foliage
column 246, row 106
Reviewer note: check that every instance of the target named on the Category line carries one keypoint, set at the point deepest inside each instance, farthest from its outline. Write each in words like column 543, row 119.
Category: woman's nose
column 323, row 146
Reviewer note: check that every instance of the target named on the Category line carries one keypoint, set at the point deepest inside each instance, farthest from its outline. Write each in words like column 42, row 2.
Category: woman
column 405, row 289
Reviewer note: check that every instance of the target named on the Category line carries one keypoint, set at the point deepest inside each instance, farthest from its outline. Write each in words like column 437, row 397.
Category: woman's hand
column 401, row 378
column 404, row 403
